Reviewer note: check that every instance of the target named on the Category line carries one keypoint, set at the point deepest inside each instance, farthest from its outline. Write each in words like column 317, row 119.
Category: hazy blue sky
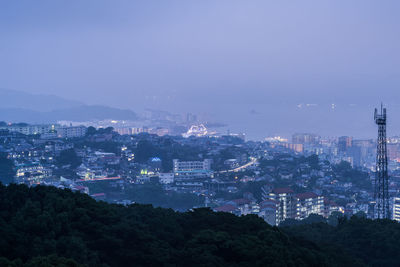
column 237, row 61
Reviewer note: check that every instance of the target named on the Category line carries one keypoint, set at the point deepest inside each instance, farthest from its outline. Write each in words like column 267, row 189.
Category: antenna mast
column 381, row 172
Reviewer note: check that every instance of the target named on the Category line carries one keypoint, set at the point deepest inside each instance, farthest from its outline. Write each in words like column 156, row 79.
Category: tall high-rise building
column 286, row 208
column 305, row 138
column 191, row 118
column 361, row 150
column 344, row 143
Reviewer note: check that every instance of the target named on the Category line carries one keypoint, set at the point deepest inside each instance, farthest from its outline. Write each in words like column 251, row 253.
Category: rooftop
column 282, row 190
column 225, row 208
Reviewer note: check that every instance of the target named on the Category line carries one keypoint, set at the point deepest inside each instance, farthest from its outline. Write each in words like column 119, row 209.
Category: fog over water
column 254, row 65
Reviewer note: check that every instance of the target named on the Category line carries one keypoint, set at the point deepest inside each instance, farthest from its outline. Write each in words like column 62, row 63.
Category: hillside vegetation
column 45, row 226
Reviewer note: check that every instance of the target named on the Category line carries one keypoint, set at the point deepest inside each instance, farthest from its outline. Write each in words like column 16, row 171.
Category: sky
column 252, row 64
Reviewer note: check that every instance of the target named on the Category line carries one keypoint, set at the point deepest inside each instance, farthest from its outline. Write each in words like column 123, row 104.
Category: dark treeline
column 45, row 226
column 369, row 242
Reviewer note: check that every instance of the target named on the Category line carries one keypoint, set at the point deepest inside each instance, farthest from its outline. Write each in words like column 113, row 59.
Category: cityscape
column 276, row 179
column 206, row 133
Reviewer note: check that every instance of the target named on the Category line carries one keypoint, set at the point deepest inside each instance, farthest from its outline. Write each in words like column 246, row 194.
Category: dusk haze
column 199, row 133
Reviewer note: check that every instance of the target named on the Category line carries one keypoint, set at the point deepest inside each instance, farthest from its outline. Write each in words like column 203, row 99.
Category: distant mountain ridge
column 36, row 102
column 17, row 106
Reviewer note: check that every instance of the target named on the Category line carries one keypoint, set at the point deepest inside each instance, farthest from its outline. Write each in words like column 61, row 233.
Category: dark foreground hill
column 45, row 226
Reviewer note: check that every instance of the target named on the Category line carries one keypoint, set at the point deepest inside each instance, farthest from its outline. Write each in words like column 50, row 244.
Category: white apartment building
column 309, row 203
column 293, row 206
column 396, row 209
column 71, row 131
column 192, row 169
column 32, row 129
column 47, row 130
column 35, row 172
column 286, row 208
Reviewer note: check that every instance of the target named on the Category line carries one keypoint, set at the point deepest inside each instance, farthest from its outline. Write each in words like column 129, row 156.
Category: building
column 166, row 178
column 31, row 173
column 308, row 203
column 28, row 129
column 363, row 149
column 192, row 169
column 287, row 204
column 355, row 153
column 154, row 164
column 305, row 138
column 344, row 143
column 331, row 206
column 124, row 130
column 268, row 211
column 107, row 158
column 71, row 131
column 295, row 147
column 48, row 130
column 138, row 130
column 396, row 209
column 393, row 151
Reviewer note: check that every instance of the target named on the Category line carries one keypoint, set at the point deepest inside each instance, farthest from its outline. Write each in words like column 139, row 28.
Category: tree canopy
column 7, row 170
column 46, row 226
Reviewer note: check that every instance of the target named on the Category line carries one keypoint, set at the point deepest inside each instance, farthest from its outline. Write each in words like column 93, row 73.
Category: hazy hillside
column 36, row 102
column 19, row 106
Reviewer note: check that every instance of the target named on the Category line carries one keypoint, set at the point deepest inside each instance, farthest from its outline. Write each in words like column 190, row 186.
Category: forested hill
column 45, row 226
